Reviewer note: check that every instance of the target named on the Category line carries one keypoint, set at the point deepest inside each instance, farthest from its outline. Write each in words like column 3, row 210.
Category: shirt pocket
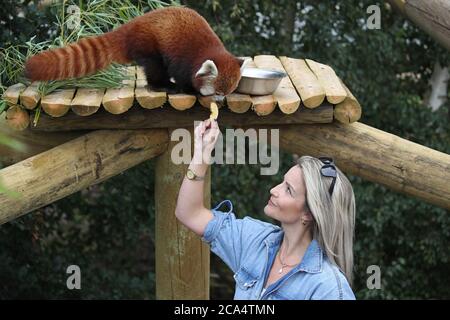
column 245, row 279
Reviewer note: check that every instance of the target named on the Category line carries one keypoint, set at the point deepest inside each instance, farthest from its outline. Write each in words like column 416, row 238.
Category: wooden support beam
column 432, row 16
column 399, row 5
column 377, row 156
column 75, row 165
column 34, row 142
column 139, row 118
column 182, row 259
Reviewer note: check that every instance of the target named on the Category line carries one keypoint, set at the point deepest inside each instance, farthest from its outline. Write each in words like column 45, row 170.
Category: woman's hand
column 205, row 137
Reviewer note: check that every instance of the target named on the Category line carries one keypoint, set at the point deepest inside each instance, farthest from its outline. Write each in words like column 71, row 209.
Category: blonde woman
column 309, row 257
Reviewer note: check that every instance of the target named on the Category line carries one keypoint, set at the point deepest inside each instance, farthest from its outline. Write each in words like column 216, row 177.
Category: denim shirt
column 248, row 246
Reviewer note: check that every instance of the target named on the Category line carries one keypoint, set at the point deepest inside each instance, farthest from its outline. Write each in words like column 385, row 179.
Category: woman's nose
column 274, row 192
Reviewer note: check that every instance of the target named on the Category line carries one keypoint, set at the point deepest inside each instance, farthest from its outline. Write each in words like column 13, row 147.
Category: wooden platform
column 309, row 85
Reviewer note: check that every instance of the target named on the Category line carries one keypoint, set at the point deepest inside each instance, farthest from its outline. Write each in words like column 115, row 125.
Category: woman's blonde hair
column 334, row 217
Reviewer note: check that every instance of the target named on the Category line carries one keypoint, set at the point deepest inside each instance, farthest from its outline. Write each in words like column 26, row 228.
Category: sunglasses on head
column 328, row 170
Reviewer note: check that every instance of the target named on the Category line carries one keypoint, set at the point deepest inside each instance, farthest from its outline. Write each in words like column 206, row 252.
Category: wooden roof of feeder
column 312, row 93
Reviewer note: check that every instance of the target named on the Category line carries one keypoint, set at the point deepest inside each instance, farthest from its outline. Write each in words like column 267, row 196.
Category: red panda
column 173, row 44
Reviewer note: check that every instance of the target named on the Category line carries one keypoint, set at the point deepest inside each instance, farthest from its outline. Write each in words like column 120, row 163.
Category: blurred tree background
column 108, row 229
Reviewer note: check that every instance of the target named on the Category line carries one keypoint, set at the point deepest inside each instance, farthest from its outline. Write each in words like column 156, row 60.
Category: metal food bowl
column 255, row 81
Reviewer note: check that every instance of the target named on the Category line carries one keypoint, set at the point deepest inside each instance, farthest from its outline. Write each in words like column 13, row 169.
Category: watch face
column 190, row 174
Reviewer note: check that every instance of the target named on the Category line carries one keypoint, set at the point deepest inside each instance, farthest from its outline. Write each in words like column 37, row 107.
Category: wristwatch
column 191, row 175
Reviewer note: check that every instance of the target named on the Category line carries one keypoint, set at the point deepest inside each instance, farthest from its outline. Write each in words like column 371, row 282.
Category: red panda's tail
column 77, row 59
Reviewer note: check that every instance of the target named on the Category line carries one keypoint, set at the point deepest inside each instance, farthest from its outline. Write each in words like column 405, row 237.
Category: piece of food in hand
column 214, row 111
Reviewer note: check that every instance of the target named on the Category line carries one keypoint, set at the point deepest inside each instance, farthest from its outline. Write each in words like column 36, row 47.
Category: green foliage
column 94, row 18
column 108, row 229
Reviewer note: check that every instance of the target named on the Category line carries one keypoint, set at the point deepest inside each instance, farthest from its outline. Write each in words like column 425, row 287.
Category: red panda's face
column 220, row 77
column 229, row 75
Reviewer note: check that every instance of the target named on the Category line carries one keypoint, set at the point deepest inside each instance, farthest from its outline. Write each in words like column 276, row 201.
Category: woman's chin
column 267, row 210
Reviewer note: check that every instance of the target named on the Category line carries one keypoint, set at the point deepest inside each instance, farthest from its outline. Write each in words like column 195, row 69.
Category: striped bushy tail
column 82, row 58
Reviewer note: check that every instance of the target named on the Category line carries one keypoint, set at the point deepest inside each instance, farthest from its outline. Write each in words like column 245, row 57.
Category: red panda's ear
column 208, row 69
column 243, row 62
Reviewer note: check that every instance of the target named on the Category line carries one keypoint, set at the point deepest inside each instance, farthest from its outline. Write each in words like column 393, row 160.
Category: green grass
column 96, row 17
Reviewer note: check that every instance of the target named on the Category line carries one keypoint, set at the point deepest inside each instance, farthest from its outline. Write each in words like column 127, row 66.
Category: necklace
column 284, row 265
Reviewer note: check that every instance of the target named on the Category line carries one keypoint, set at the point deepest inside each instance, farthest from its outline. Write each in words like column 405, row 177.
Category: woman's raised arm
column 190, row 209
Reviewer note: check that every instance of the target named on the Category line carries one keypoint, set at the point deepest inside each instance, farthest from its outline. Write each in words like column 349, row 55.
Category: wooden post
column 182, row 259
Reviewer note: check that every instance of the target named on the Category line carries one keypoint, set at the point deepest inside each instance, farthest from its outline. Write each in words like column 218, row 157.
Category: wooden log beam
column 399, row 5
column 34, row 142
column 377, row 156
column 75, row 165
column 58, row 102
column 349, row 110
column 432, row 16
column 261, row 105
column 305, row 81
column 11, row 95
column 148, row 98
column 182, row 259
column 239, row 103
column 287, row 98
column 139, row 118
column 145, row 95
column 328, row 79
column 205, row 101
column 17, row 118
column 30, row 97
column 119, row 100
column 87, row 101
column 181, row 101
